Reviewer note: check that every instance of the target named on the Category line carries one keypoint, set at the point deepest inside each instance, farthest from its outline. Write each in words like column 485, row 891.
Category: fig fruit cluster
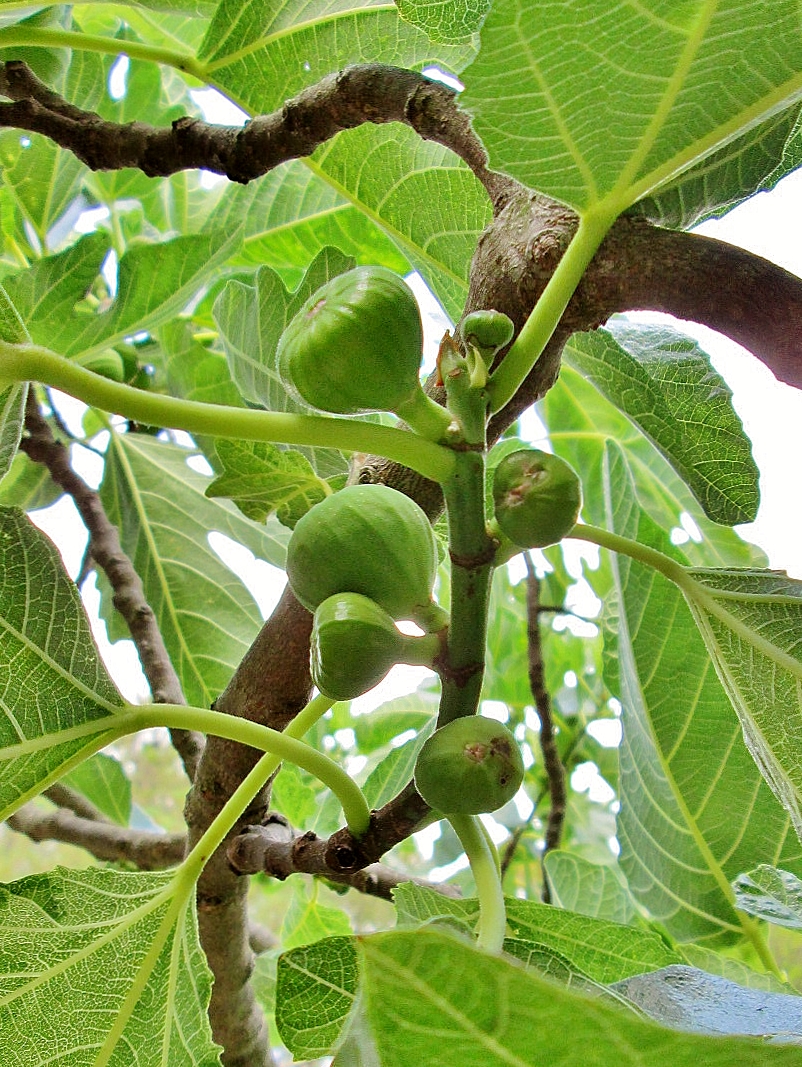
column 469, row 766
column 361, row 560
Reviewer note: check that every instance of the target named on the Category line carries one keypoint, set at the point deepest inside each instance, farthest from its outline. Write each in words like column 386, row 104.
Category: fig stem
column 484, row 866
column 525, row 351
column 472, row 553
column 242, row 796
column 19, row 363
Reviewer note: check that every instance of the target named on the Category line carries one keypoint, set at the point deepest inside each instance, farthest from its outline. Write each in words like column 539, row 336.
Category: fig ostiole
column 469, row 766
column 367, row 539
column 537, row 497
column 356, row 346
column 355, row 643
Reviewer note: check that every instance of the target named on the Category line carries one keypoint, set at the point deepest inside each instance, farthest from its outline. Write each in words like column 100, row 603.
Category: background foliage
column 675, row 112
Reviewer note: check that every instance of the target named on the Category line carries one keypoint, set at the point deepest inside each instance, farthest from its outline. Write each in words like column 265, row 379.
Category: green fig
column 537, row 497
column 470, row 765
column 355, row 345
column 355, row 643
column 487, row 330
column 367, row 539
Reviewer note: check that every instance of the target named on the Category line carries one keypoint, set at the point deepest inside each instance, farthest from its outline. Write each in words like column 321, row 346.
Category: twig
column 276, row 849
column 129, row 596
column 64, row 797
column 341, row 101
column 555, row 772
column 146, row 849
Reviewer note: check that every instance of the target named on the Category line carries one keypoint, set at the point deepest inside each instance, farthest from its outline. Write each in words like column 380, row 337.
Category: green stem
column 130, row 719
column 541, row 324
column 86, row 42
column 242, row 796
column 492, row 912
column 471, row 553
column 33, row 363
column 667, row 566
column 425, row 416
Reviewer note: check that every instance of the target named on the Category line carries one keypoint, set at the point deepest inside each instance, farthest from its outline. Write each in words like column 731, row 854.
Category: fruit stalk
column 472, row 552
column 492, row 912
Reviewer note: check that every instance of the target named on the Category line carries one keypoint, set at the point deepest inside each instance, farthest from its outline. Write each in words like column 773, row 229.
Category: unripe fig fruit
column 367, row 539
column 470, row 765
column 487, row 330
column 355, row 345
column 355, row 643
column 537, row 497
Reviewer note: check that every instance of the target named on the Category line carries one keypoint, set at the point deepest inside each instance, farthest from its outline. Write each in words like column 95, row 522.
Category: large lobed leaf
column 57, row 702
column 613, row 100
column 694, row 808
column 110, row 961
column 205, row 612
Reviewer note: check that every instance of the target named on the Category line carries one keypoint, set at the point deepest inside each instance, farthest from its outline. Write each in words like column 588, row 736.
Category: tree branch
column 270, row 686
column 552, row 764
column 341, row 101
column 274, row 848
column 129, row 596
column 146, row 849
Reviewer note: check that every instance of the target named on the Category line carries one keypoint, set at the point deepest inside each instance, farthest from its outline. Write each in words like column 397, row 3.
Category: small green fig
column 355, row 643
column 487, row 330
column 367, row 539
column 470, row 765
column 355, row 345
column 537, row 497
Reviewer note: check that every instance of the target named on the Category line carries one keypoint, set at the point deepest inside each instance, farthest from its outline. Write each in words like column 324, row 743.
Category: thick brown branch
column 129, row 596
column 276, row 849
column 270, row 686
column 147, row 850
column 341, row 101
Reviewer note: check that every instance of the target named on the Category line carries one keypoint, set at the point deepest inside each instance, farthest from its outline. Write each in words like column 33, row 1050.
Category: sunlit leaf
column 604, row 951
column 686, row 827
column 110, row 960
column 665, row 384
column 262, row 55
column 53, row 681
column 262, row 479
column 206, row 614
column 588, row 888
column 445, row 20
column 620, row 98
column 324, row 973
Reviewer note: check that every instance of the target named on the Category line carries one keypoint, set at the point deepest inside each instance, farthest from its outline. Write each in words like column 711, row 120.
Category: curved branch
column 370, row 92
column 735, row 292
column 276, row 849
column 129, row 596
column 148, row 850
